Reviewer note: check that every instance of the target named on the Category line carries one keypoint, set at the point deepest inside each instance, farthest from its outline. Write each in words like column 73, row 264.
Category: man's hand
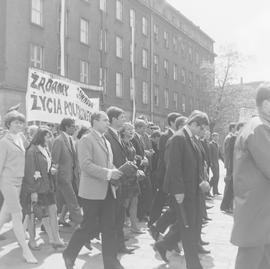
column 179, row 197
column 145, row 162
column 205, row 187
column 116, row 174
column 115, row 182
column 34, row 197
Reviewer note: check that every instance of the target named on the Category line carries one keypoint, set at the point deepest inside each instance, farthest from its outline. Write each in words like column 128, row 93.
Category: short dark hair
column 171, row 118
column 66, row 122
column 12, row 116
column 39, row 137
column 139, row 123
column 263, row 93
column 180, row 121
column 82, row 131
column 199, row 117
column 239, row 125
column 155, row 134
column 232, row 125
column 114, row 112
column 96, row 116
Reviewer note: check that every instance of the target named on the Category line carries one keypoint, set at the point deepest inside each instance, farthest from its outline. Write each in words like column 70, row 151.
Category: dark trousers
column 120, row 220
column 157, row 206
column 145, row 198
column 105, row 211
column 215, row 178
column 227, row 201
column 189, row 235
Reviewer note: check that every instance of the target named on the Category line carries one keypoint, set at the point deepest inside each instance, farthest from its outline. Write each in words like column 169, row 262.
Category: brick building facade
column 169, row 50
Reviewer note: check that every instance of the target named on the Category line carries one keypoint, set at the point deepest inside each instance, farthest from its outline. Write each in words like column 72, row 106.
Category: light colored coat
column 95, row 160
column 251, row 178
column 12, row 159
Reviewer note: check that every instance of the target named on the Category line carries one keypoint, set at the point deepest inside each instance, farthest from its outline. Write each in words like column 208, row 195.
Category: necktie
column 73, row 151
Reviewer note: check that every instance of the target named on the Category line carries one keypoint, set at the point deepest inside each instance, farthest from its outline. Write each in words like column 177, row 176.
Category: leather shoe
column 68, row 262
column 154, row 232
column 207, row 219
column 209, row 207
column 204, row 243
column 161, row 251
column 125, row 250
column 202, row 250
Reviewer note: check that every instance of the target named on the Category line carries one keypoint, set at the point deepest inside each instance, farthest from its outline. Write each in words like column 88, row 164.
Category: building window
column 103, row 78
column 155, row 32
column 156, row 64
column 175, row 72
column 84, row 72
column 37, row 12
column 131, row 88
column 144, row 26
column 119, row 85
column 144, row 58
column 144, row 92
column 175, row 100
column 156, row 93
column 183, row 75
column 103, row 5
column 183, row 103
column 166, row 40
column 119, row 10
column 119, row 47
column 166, row 98
column 166, row 68
column 36, row 56
column 175, row 47
column 84, row 31
column 190, row 54
column 190, row 79
column 132, row 18
column 103, row 40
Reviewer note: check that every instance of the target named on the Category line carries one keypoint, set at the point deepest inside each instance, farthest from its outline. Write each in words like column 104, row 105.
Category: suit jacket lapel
column 67, row 143
column 10, row 138
column 195, row 149
column 100, row 142
column 116, row 139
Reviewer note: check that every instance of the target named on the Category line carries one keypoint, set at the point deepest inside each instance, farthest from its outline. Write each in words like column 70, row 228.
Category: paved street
column 217, row 232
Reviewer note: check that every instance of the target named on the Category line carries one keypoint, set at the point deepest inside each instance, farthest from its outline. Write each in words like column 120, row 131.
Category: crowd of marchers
column 100, row 181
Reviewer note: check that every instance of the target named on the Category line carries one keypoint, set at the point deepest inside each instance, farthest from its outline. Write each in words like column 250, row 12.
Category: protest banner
column 50, row 98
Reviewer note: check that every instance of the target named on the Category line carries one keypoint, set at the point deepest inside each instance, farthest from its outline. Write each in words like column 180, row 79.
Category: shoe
column 204, row 243
column 125, row 250
column 154, row 233
column 88, row 245
column 42, row 228
column 2, row 237
column 207, row 219
column 161, row 251
column 56, row 246
column 202, row 250
column 217, row 193
column 64, row 224
column 118, row 265
column 34, row 248
column 136, row 231
column 30, row 260
column 209, row 207
column 68, row 262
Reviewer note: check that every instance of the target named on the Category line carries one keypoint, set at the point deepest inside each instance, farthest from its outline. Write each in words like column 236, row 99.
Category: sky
column 241, row 24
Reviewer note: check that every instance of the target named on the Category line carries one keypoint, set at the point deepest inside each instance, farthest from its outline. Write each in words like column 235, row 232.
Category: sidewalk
column 217, row 232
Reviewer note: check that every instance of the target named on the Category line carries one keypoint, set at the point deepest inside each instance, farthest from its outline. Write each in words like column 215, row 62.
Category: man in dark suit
column 161, row 197
column 97, row 190
column 117, row 118
column 144, row 199
column 64, row 155
column 215, row 155
column 182, row 182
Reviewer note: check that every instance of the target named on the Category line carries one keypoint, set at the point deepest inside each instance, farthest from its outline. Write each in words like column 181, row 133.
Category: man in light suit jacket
column 251, row 185
column 64, row 155
column 98, row 194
